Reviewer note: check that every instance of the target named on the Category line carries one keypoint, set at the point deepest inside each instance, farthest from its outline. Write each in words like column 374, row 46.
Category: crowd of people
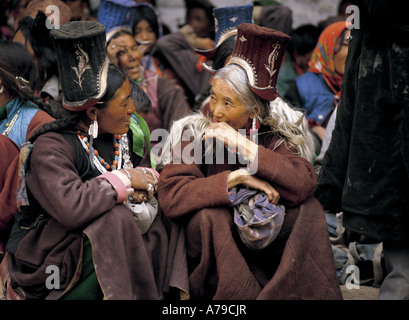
column 233, row 158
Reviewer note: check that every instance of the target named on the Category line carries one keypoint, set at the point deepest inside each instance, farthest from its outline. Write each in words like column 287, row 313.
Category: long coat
column 297, row 265
column 365, row 169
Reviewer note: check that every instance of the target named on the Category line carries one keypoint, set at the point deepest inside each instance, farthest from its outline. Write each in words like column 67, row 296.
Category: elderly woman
column 290, row 258
column 88, row 213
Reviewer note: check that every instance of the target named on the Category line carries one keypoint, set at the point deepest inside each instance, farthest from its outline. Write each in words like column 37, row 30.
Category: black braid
column 65, row 120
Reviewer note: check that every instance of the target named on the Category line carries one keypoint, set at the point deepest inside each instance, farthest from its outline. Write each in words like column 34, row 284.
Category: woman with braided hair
column 87, row 209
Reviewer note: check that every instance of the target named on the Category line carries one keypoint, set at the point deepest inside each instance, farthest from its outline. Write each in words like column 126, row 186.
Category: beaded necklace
column 99, row 162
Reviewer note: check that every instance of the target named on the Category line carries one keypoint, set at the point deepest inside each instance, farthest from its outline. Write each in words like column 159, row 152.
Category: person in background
column 303, row 41
column 10, row 152
column 226, row 259
column 178, row 48
column 365, row 169
column 80, row 10
column 168, row 102
column 34, row 34
column 147, row 29
column 341, row 14
column 317, row 92
column 274, row 15
column 227, row 19
column 21, row 114
column 15, row 12
column 141, row 136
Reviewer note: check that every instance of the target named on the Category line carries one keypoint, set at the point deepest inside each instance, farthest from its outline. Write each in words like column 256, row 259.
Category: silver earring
column 254, row 123
column 93, row 128
column 1, row 89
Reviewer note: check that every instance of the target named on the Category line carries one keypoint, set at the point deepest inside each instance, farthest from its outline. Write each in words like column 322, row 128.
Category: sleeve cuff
column 120, row 183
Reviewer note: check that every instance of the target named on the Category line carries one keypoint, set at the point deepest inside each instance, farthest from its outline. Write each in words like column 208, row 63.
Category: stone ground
column 363, row 293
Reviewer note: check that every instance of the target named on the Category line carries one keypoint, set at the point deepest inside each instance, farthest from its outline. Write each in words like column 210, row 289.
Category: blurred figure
column 365, row 169
column 15, row 12
column 299, row 52
column 341, row 14
column 147, row 29
column 80, row 9
column 168, row 102
column 317, row 91
column 21, row 115
column 225, row 40
column 273, row 14
column 8, row 188
column 178, row 48
column 34, row 34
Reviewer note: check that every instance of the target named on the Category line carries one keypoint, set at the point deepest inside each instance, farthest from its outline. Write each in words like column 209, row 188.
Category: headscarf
column 322, row 59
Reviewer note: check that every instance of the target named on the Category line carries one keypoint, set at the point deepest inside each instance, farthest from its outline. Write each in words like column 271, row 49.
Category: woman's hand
column 114, row 49
column 143, row 182
column 204, row 43
column 232, row 139
column 139, row 196
column 242, row 176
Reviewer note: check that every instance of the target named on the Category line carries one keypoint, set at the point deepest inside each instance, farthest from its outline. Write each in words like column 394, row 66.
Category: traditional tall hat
column 82, row 63
column 226, row 20
column 259, row 51
column 116, row 13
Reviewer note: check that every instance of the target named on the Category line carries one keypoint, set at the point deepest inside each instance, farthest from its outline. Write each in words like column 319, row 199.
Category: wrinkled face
column 200, row 23
column 226, row 107
column 116, row 116
column 129, row 58
column 144, row 33
column 341, row 55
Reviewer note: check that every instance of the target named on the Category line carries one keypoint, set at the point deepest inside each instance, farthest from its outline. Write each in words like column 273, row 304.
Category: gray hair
column 236, row 78
column 285, row 122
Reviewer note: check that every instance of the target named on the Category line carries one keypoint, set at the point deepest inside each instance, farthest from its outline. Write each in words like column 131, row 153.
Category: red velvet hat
column 259, row 51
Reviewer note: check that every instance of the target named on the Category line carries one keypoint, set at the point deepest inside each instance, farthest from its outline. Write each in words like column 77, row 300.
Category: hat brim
column 210, row 54
column 267, row 93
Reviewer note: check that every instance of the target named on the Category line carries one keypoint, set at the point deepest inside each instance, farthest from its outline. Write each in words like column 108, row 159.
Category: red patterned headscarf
column 322, row 59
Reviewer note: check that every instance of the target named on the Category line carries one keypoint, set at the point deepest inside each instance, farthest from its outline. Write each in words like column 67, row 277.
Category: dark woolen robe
column 365, row 169
column 128, row 265
column 297, row 265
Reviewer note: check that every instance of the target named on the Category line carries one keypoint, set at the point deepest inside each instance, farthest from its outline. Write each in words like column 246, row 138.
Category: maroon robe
column 297, row 265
